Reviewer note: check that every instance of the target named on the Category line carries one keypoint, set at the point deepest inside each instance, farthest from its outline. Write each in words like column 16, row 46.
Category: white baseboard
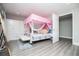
column 77, row 44
column 65, row 37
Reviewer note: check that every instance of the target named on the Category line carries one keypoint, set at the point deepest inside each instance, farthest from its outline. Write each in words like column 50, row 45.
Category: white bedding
column 36, row 37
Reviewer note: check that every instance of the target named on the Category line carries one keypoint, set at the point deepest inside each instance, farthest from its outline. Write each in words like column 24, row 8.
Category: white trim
column 54, row 41
column 77, row 44
column 65, row 37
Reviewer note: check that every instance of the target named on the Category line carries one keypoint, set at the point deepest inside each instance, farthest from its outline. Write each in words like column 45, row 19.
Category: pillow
column 43, row 31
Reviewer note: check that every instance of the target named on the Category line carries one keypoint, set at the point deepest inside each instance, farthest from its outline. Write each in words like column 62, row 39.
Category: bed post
column 31, row 26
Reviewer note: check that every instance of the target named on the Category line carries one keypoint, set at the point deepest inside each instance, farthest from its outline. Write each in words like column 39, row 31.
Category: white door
column 55, row 20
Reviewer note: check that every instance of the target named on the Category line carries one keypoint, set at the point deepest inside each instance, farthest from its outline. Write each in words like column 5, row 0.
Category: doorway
column 65, row 26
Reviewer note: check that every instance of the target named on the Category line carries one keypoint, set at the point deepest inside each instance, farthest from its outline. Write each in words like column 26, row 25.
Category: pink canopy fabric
column 38, row 20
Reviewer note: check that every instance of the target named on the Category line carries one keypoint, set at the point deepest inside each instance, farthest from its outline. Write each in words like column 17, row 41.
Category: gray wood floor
column 4, row 52
column 43, row 48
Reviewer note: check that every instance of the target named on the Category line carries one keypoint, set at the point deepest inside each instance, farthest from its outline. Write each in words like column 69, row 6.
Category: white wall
column 76, row 26
column 55, row 21
column 16, row 17
column 65, row 28
column 15, row 29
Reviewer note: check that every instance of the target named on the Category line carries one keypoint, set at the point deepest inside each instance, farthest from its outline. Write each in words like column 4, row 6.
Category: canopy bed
column 37, row 28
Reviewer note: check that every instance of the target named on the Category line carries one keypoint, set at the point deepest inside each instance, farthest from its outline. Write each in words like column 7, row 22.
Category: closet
column 65, row 26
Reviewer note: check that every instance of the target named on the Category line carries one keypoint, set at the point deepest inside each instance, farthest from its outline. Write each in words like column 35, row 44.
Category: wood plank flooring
column 43, row 48
column 4, row 52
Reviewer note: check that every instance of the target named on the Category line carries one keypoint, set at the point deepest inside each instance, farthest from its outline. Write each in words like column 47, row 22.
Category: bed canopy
column 41, row 22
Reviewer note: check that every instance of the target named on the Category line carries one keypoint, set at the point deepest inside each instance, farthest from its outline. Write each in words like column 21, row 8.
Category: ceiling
column 43, row 9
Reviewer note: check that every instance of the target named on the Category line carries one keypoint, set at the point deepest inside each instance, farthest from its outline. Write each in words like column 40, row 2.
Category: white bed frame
column 44, row 36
